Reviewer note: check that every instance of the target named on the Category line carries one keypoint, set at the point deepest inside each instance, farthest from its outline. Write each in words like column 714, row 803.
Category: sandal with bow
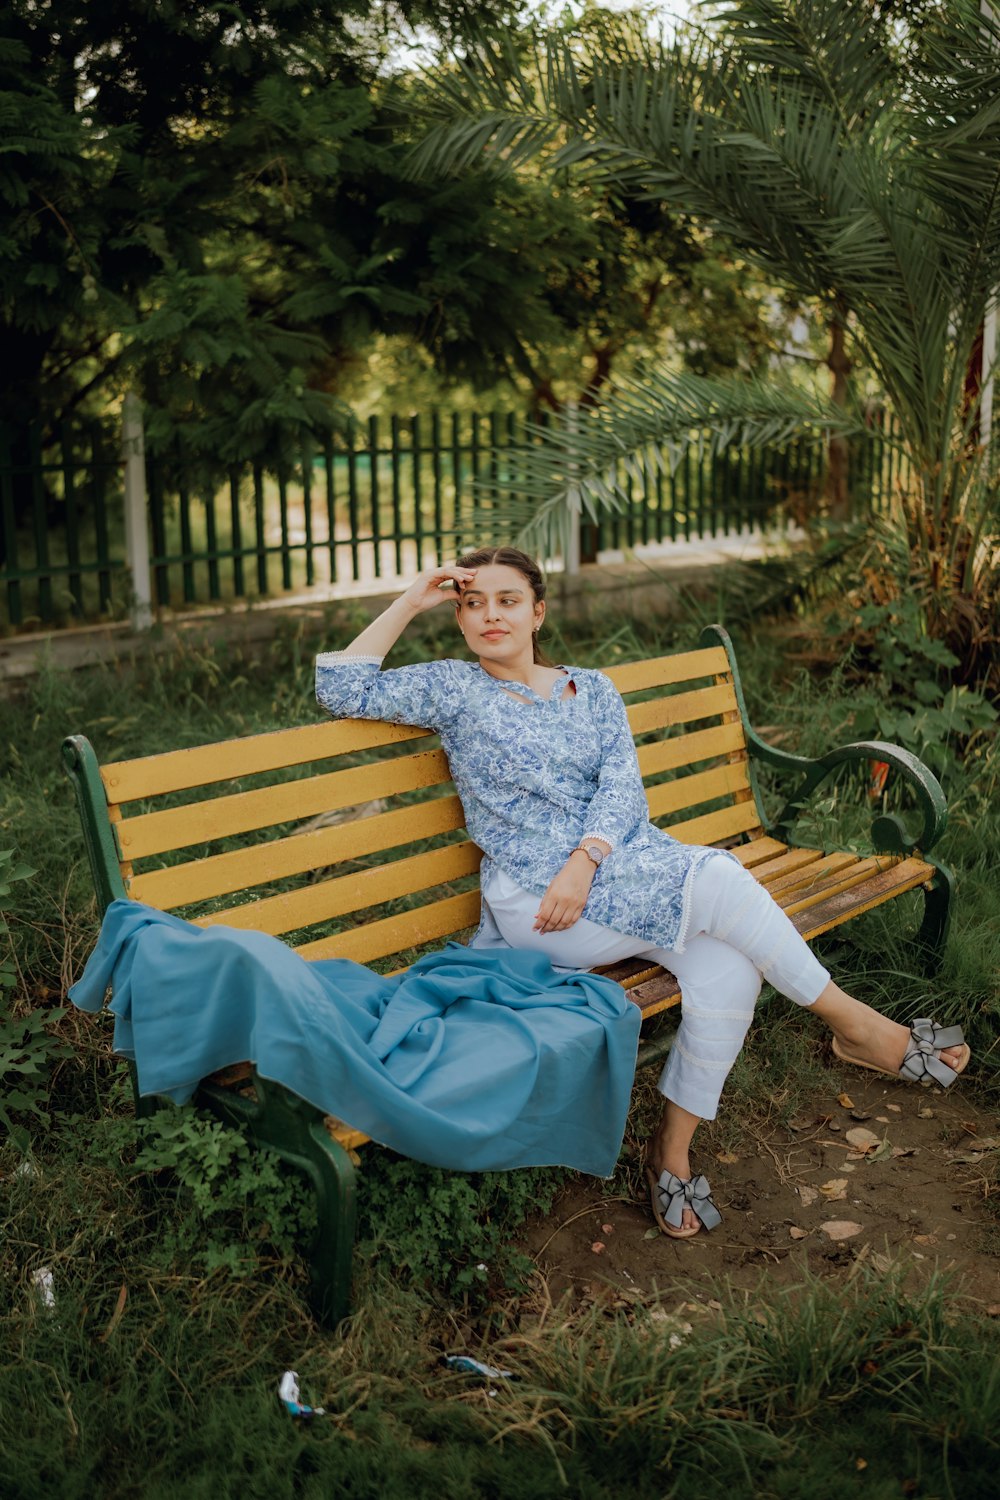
column 922, row 1061
column 669, row 1196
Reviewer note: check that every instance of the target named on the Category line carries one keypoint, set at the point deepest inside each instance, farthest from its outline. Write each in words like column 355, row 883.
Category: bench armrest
column 888, row 832
column 80, row 765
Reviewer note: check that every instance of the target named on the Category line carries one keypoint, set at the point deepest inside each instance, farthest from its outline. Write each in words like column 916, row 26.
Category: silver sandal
column 922, row 1062
column 670, row 1195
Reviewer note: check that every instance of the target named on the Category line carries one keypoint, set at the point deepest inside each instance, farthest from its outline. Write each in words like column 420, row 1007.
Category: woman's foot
column 869, row 1038
column 884, row 1045
column 668, row 1151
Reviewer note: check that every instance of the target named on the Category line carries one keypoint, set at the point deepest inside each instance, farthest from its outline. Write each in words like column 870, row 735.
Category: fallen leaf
column 847, row 1166
column 840, row 1229
column 845, row 1100
column 925, row 1239
column 797, row 1233
column 904, row 1151
column 835, row 1189
column 807, row 1195
column 897, row 1109
column 993, row 1310
column 714, row 1304
column 882, row 1119
column 926, row 1113
column 651, row 1234
column 116, row 1316
column 861, row 1463
column 970, row 1127
column 881, row 1151
column 863, row 1140
column 727, row 1157
column 881, row 1263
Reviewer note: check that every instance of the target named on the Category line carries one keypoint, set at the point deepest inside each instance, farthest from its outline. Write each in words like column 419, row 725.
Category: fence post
column 136, row 505
column 571, row 561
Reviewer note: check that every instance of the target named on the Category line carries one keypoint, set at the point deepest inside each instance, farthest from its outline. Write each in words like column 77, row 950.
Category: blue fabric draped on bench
column 473, row 1059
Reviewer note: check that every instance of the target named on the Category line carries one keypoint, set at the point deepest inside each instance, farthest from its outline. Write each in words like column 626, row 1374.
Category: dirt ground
column 883, row 1171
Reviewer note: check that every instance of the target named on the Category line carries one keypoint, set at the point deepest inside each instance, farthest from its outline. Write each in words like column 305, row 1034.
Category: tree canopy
column 212, row 204
column 858, row 164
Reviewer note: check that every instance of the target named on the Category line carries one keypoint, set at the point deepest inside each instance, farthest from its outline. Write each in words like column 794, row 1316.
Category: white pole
column 571, row 560
column 136, row 507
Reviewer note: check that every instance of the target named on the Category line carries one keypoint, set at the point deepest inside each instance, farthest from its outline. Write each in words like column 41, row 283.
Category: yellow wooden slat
column 689, row 791
column 858, row 873
column 241, row 869
column 811, row 876
column 904, row 875
column 663, row 671
column 178, row 770
column 656, row 995
column 712, row 827
column 688, row 749
column 392, row 934
column 682, row 708
column 757, row 852
column 320, row 902
column 240, row 812
column 347, row 1136
column 789, row 859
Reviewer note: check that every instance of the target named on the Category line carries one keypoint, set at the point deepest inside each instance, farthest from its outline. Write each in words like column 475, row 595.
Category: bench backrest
column 246, row 832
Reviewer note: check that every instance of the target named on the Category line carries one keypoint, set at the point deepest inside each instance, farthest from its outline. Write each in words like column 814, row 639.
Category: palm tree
column 859, row 165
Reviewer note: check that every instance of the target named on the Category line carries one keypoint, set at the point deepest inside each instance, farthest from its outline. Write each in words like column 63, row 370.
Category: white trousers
column 739, row 936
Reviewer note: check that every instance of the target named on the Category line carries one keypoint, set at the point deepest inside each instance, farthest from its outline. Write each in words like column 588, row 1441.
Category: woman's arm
column 617, row 806
column 350, row 684
column 425, row 592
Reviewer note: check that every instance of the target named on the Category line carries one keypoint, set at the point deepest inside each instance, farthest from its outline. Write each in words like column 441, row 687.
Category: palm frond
column 580, row 465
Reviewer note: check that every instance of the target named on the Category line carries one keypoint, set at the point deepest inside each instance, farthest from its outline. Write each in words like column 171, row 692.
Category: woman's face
column 497, row 613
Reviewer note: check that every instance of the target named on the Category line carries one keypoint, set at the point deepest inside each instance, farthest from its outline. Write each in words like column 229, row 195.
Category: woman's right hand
column 427, row 590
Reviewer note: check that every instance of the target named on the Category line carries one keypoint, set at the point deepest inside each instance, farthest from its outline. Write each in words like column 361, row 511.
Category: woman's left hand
column 563, row 902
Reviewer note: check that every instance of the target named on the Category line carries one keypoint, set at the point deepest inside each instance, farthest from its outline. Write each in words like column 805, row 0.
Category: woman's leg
column 719, row 988
column 729, row 904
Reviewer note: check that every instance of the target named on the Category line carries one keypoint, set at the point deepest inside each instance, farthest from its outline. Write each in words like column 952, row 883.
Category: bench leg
column 295, row 1130
column 933, row 932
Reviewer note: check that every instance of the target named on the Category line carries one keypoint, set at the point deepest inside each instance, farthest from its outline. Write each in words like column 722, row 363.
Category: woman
column 544, row 762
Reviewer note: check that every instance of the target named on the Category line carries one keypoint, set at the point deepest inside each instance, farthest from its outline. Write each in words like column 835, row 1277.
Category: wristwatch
column 593, row 851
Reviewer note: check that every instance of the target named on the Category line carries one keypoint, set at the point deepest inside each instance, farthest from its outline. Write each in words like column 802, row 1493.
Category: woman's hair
column 512, row 557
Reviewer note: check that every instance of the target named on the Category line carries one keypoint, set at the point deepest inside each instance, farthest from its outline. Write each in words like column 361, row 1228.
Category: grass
column 179, row 1296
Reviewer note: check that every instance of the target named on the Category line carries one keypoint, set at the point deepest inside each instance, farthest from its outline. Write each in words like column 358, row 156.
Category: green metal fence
column 378, row 503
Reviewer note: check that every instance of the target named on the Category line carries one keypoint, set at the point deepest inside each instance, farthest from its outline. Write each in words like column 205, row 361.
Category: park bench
column 346, row 839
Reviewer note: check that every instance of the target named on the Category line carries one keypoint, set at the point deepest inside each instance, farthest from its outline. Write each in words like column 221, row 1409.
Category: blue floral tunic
column 535, row 777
